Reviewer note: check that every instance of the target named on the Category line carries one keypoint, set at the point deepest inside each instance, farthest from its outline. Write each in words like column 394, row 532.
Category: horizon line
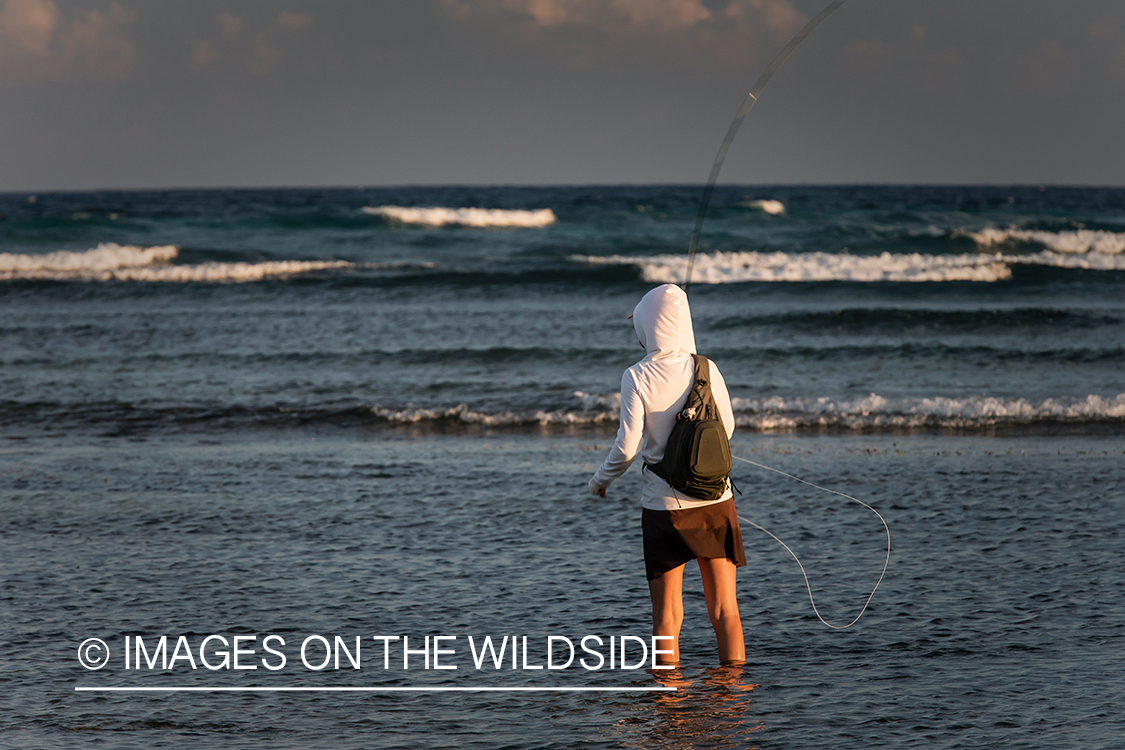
column 547, row 185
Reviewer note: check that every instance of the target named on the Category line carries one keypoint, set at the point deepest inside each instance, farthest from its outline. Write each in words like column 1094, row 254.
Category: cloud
column 203, row 55
column 290, row 20
column 652, row 15
column 38, row 43
column 699, row 32
column 264, row 49
column 776, row 15
column 230, row 24
column 264, row 45
column 655, row 14
column 646, row 16
column 28, row 25
column 263, row 54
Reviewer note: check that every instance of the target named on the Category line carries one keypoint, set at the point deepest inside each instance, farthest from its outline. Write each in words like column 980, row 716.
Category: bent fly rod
column 732, row 131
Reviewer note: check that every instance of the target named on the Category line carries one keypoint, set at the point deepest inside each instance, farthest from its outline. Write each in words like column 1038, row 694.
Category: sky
column 230, row 93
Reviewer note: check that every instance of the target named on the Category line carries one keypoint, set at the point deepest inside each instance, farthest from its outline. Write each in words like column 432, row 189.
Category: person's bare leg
column 667, row 594
column 722, row 606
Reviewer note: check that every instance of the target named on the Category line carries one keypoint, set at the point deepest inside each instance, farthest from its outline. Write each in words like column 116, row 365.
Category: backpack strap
column 700, row 377
column 697, row 458
column 701, row 397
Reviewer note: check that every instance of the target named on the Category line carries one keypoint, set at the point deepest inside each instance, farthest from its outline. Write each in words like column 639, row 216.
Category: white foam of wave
column 105, row 257
column 771, row 207
column 113, row 262
column 590, row 401
column 437, row 216
column 875, row 411
column 1092, row 261
column 780, row 414
column 464, row 415
column 596, row 408
column 222, row 272
column 724, row 268
column 1076, row 241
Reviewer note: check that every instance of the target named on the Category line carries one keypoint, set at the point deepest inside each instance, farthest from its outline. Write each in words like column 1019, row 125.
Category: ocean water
column 361, row 412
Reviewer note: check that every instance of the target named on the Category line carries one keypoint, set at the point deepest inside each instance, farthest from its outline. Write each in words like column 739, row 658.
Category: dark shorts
column 674, row 537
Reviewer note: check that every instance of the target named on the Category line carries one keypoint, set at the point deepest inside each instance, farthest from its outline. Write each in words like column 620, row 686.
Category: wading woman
column 676, row 528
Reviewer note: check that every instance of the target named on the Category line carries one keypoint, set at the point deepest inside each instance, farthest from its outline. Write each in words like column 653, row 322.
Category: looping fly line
column 886, row 528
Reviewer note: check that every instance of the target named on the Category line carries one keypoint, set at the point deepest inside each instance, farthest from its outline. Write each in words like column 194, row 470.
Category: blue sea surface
column 362, row 412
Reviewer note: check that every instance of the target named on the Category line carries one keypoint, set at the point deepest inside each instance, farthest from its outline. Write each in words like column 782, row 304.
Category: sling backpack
column 697, row 458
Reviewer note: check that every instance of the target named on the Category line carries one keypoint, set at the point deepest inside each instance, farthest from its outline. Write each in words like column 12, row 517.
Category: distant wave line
column 777, row 413
column 738, row 267
column 107, row 256
column 112, row 262
column 1076, row 242
column 767, row 414
column 438, row 216
column 813, row 411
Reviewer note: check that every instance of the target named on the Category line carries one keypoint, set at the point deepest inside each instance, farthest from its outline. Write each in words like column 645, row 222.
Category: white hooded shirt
column 653, row 392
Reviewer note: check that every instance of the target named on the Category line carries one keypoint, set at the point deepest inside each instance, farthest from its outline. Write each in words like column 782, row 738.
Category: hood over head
column 663, row 323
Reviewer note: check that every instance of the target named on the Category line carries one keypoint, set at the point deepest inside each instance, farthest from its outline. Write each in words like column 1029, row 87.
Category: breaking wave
column 105, row 258
column 771, row 207
column 113, row 262
column 1075, row 242
column 595, row 408
column 727, row 268
column 437, row 216
column 777, row 414
column 223, row 272
column 1091, row 261
column 876, row 412
column 872, row 414
column 462, row 414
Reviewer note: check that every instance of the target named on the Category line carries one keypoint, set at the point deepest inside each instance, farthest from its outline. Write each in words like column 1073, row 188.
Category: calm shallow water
column 1000, row 622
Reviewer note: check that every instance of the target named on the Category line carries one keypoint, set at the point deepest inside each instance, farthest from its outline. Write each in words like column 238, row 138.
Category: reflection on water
column 711, row 708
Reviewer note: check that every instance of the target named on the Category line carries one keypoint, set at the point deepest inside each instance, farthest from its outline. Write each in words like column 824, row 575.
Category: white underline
column 376, row 689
